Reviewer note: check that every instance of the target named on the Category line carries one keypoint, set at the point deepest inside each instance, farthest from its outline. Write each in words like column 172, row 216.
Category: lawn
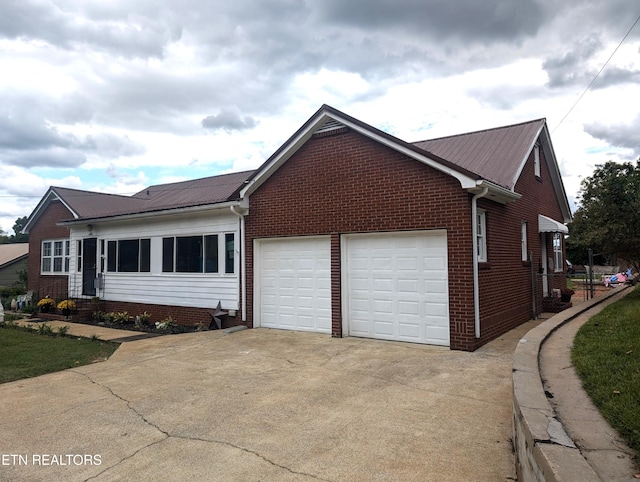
column 25, row 354
column 606, row 354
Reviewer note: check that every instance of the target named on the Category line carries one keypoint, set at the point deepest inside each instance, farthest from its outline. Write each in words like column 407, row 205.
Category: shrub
column 67, row 305
column 166, row 324
column 46, row 301
column 62, row 330
column 45, row 329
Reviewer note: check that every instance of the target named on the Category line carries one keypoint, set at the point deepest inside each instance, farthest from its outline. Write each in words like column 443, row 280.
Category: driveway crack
column 252, row 452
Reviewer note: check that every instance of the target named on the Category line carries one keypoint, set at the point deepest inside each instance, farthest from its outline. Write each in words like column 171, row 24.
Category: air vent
column 332, row 126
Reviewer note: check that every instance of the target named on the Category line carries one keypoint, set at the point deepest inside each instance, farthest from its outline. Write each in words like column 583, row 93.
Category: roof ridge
column 175, row 183
column 480, row 131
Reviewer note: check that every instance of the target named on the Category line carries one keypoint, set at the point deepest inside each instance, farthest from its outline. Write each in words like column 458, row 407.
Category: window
column 536, row 160
column 557, row 251
column 481, row 236
column 55, row 256
column 230, row 248
column 211, row 253
column 129, row 255
column 523, row 236
column 198, row 254
column 189, row 254
column 79, row 253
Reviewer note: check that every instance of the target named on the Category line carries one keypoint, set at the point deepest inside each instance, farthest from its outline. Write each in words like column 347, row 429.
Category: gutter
column 476, row 282
column 243, row 266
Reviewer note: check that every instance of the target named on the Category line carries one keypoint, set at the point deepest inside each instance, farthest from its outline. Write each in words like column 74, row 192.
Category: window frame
column 115, row 252
column 523, row 241
column 536, row 160
column 558, row 258
column 481, row 236
column 55, row 254
column 215, row 257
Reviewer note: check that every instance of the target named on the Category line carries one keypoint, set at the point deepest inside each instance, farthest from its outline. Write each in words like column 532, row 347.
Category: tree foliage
column 608, row 218
column 18, row 237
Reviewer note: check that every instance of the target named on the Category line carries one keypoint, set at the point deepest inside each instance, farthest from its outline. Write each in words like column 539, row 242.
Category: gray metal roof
column 197, row 192
column 497, row 155
column 12, row 252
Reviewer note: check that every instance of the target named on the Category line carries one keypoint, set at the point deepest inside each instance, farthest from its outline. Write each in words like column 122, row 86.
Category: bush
column 67, row 305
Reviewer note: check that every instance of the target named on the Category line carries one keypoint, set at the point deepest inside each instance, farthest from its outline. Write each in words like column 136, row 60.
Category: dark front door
column 89, row 271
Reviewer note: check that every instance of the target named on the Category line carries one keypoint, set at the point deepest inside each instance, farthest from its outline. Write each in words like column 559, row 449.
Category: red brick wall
column 505, row 281
column 347, row 183
column 182, row 315
column 45, row 228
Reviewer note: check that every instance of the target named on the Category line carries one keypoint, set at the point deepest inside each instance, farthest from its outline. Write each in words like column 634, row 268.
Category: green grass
column 25, row 353
column 606, row 354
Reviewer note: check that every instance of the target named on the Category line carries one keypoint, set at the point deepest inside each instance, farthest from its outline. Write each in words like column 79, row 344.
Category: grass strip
column 606, row 354
column 25, row 353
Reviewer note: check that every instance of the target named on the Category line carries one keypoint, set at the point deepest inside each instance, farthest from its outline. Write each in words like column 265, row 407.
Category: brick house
column 344, row 230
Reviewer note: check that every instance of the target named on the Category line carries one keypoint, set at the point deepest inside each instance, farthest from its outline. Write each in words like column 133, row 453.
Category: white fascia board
column 49, row 196
column 465, row 181
column 294, row 144
column 303, row 136
column 156, row 214
column 526, row 156
column 556, row 177
column 495, row 193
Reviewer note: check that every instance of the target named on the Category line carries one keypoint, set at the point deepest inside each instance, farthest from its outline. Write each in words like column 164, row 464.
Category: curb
column 543, row 450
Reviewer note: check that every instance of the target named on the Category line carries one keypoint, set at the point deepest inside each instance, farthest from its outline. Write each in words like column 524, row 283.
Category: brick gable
column 347, row 183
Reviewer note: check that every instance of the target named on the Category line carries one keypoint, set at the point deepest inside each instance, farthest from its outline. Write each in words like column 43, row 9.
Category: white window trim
column 64, row 256
column 481, row 236
column 523, row 241
column 557, row 252
column 536, row 160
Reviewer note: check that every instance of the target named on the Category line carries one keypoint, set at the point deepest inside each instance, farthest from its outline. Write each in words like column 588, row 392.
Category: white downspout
column 476, row 282
column 243, row 271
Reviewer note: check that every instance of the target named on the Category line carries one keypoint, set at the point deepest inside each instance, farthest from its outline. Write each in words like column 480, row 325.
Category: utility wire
column 597, row 75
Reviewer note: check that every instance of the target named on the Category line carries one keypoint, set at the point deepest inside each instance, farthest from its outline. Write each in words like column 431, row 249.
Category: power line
column 597, row 75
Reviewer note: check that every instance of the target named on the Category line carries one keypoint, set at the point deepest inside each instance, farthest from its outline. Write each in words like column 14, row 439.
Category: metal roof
column 160, row 197
column 495, row 154
column 12, row 252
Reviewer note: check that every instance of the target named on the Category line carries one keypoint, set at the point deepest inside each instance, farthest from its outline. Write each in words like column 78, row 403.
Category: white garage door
column 294, row 284
column 397, row 287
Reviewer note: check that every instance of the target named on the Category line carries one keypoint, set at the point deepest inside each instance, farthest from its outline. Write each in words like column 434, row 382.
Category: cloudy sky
column 114, row 96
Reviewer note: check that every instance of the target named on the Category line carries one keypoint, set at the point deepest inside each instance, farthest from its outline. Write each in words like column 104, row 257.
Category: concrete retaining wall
column 544, row 451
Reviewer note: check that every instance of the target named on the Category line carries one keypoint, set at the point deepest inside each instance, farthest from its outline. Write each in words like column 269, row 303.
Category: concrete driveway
column 266, row 405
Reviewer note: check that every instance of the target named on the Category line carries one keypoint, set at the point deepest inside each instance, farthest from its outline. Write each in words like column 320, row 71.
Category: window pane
column 145, row 255
column 111, row 256
column 66, row 265
column 46, row 265
column 67, row 246
column 46, row 248
column 189, row 254
column 57, row 265
column 229, row 244
column 79, row 252
column 128, row 255
column 211, row 253
column 167, row 255
column 57, row 248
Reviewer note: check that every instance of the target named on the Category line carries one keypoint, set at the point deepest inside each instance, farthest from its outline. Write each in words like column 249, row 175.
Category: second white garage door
column 397, row 287
column 294, row 284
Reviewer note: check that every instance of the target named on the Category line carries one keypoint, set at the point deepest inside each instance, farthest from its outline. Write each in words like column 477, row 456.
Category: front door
column 89, row 270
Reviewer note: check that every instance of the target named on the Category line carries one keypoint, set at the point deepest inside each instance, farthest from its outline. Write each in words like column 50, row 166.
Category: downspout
column 243, row 282
column 476, row 281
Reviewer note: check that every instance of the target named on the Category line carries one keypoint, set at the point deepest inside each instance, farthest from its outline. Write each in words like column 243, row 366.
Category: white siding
column 202, row 290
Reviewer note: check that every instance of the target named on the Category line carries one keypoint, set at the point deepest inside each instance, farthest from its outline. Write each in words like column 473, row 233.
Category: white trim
column 481, row 233
column 523, row 241
column 292, row 146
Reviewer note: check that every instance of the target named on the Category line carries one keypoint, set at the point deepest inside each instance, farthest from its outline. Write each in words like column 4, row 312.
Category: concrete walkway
column 266, row 405
column 559, row 435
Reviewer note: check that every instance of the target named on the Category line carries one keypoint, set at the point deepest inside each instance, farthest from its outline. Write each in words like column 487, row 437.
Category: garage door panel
column 397, row 287
column 294, row 278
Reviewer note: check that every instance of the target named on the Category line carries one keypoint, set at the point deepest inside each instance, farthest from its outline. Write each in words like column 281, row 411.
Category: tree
column 18, row 237
column 608, row 218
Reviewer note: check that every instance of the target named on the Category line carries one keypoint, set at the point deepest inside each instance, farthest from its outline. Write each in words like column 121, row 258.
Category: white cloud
column 189, row 88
